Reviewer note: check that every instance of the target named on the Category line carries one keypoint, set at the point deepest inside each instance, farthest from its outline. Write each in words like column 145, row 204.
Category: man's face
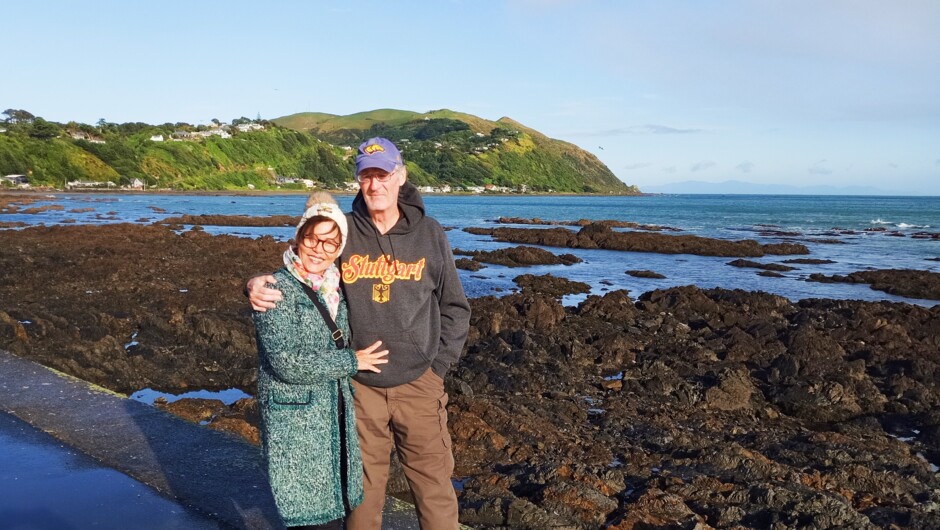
column 380, row 188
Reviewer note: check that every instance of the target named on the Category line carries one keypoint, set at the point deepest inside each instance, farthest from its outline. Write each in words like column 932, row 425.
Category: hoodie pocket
column 403, row 345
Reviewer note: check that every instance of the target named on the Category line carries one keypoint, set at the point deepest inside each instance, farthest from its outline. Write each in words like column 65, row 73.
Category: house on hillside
column 137, row 184
column 16, row 180
column 246, row 127
column 156, row 138
column 89, row 184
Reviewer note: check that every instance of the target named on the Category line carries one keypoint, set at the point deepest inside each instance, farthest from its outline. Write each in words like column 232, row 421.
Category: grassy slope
column 213, row 163
column 445, row 147
column 529, row 158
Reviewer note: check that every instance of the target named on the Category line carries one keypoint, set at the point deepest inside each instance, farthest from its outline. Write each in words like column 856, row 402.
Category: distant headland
column 445, row 151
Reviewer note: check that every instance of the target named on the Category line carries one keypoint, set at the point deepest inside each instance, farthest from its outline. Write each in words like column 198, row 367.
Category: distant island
column 446, row 152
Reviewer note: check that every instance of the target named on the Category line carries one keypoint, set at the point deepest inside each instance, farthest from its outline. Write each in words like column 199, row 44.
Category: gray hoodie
column 403, row 289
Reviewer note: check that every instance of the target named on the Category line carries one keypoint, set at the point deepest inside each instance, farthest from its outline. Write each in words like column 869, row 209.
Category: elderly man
column 402, row 288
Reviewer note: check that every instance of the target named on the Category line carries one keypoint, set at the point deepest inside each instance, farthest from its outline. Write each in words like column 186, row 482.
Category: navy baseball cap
column 380, row 153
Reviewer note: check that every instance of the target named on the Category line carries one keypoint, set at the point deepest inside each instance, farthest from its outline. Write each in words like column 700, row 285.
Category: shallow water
column 717, row 216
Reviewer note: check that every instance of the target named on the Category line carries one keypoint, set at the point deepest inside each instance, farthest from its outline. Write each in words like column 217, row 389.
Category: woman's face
column 319, row 246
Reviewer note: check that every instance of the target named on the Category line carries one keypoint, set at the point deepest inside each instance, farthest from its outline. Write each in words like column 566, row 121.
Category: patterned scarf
column 326, row 284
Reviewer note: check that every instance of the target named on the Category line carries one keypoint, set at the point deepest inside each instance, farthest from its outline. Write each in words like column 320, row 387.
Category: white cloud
column 649, row 128
column 819, row 168
column 702, row 166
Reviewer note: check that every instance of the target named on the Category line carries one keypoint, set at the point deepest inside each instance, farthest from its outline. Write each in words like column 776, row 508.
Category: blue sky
column 796, row 92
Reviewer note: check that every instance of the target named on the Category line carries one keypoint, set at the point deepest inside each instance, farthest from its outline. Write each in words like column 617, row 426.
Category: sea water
column 716, row 216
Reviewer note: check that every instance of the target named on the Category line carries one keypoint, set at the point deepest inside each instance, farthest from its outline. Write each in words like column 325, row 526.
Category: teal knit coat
column 301, row 372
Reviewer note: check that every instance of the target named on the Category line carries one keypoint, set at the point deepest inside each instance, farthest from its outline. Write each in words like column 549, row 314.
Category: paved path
column 213, row 473
column 47, row 485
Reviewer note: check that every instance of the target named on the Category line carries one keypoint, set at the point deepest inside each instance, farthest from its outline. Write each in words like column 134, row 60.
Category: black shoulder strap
column 337, row 334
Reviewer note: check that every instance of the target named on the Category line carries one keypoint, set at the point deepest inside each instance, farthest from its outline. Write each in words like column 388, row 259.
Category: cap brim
column 384, row 165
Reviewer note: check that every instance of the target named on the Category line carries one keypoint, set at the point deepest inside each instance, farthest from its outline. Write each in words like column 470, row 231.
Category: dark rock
column 550, row 285
column 645, row 274
column 809, row 261
column 598, row 235
column 584, row 222
column 900, row 282
column 468, row 264
column 519, row 257
column 756, row 265
column 230, row 220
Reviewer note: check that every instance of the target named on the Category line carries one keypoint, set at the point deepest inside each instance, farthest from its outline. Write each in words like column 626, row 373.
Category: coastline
column 577, row 416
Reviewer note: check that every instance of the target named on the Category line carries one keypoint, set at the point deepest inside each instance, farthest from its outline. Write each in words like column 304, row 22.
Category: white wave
column 905, row 225
column 880, row 221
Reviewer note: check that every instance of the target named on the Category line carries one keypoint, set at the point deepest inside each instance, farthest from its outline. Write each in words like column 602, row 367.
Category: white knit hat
column 322, row 204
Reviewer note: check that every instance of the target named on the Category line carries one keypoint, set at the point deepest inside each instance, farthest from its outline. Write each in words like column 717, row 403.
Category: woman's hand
column 368, row 358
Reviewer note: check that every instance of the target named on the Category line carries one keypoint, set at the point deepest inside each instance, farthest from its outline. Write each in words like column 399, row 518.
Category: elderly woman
column 308, row 428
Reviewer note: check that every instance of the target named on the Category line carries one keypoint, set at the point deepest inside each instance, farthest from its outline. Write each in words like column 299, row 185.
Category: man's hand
column 261, row 297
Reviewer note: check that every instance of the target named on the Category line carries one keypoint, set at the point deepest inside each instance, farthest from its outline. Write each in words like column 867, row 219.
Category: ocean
column 716, row 216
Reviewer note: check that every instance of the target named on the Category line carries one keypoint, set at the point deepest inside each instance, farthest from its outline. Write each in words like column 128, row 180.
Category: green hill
column 458, row 149
column 441, row 147
column 186, row 157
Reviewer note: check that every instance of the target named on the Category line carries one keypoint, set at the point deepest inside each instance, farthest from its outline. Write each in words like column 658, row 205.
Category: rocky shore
column 902, row 282
column 601, row 235
column 676, row 408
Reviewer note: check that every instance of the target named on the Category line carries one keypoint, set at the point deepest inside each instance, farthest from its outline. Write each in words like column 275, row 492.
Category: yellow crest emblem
column 380, row 293
column 374, row 148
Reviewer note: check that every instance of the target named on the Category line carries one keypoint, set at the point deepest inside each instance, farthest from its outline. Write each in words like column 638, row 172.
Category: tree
column 18, row 116
column 43, row 129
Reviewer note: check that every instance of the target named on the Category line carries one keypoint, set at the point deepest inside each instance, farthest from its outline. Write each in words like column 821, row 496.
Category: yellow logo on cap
column 374, row 148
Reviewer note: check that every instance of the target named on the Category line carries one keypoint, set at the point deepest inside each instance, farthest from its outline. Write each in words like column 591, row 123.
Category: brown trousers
column 414, row 416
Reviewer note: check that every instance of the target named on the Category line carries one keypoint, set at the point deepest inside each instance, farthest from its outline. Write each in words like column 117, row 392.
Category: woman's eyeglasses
column 329, row 245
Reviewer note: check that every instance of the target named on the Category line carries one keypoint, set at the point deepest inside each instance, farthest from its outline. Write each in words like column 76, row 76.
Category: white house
column 156, row 138
column 16, row 180
column 245, row 127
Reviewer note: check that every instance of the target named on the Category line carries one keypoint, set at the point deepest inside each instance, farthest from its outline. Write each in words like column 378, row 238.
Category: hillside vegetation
column 175, row 156
column 446, row 147
column 442, row 148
